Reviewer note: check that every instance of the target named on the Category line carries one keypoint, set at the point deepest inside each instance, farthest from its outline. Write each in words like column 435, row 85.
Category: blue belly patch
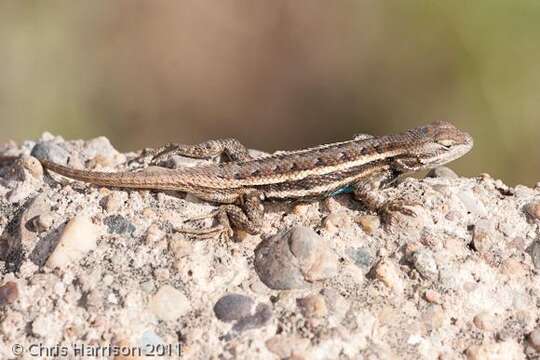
column 345, row 190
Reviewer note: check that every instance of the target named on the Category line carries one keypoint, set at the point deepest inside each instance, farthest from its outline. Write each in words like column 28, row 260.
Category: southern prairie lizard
column 361, row 166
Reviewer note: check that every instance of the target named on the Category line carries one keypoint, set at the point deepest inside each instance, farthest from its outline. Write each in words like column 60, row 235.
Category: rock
column 369, row 223
column 534, row 251
column 114, row 201
column 293, row 259
column 509, row 349
column 533, row 210
column 43, row 222
column 390, row 275
column 99, row 150
column 442, row 172
column 52, row 151
column 169, row 304
column 433, row 297
column 154, row 234
column 20, row 193
column 78, row 238
column 233, row 307
column 484, row 239
column 262, row 315
column 117, row 224
column 361, row 257
column 285, row 347
column 472, row 204
column 313, row 306
column 336, row 221
column 425, row 263
column 485, row 321
column 534, row 339
column 9, row 293
column 46, row 326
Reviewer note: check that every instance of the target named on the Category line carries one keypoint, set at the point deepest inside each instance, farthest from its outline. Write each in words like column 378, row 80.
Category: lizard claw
column 392, row 206
column 223, row 226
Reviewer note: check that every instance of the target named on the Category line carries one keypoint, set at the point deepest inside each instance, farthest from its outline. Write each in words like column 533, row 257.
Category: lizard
column 363, row 166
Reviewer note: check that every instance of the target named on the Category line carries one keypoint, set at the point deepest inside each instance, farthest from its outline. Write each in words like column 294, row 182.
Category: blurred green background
column 276, row 74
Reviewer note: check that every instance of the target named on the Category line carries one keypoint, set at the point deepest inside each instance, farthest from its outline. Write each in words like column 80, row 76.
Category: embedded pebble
column 313, row 306
column 533, row 209
column 389, row 273
column 114, row 201
column 52, row 151
column 154, row 234
column 117, row 224
column 100, row 148
column 472, row 204
column 43, row 222
column 336, row 221
column 484, row 238
column 425, row 263
column 361, row 257
column 534, row 339
column 169, row 303
column 500, row 350
column 433, row 297
column 294, row 258
column 9, row 293
column 369, row 223
column 233, row 307
column 442, row 172
column 286, row 347
column 261, row 317
column 78, row 238
column 485, row 321
column 534, row 251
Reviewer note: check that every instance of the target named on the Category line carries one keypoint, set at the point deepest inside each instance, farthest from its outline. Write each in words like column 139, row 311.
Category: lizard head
column 434, row 145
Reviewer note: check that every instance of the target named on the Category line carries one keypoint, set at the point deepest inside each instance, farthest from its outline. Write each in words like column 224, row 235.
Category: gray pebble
column 361, row 257
column 425, row 263
column 117, row 224
column 442, row 172
column 263, row 314
column 233, row 307
column 52, row 151
column 534, row 251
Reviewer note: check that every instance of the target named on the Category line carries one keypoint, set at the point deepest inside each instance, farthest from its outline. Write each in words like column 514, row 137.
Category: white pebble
column 169, row 303
column 78, row 238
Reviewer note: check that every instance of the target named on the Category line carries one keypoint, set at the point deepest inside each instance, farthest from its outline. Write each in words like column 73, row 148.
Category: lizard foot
column 223, row 226
column 390, row 207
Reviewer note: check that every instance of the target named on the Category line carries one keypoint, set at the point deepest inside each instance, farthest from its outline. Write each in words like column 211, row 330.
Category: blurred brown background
column 276, row 74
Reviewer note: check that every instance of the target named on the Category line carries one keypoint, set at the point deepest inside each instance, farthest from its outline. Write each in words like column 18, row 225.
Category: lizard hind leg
column 247, row 217
column 232, row 148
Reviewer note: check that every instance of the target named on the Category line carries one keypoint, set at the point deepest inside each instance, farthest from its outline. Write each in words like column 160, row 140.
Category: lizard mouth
column 455, row 152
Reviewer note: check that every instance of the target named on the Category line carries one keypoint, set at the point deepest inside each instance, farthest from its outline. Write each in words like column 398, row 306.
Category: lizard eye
column 446, row 142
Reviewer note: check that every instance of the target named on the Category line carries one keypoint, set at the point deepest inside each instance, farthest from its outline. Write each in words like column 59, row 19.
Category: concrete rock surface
column 89, row 266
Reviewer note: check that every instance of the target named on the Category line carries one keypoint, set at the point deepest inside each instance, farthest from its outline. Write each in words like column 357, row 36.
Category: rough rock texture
column 91, row 266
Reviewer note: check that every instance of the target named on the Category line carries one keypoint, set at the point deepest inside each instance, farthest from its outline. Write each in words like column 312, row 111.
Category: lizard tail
column 113, row 179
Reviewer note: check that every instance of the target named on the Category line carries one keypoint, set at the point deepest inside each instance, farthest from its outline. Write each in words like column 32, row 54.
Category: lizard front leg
column 369, row 192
